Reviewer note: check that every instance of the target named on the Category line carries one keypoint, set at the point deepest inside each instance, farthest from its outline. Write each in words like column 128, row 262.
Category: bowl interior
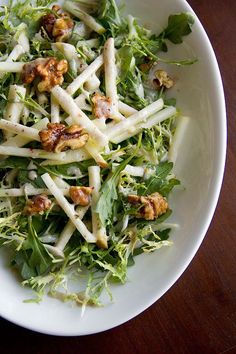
column 200, row 167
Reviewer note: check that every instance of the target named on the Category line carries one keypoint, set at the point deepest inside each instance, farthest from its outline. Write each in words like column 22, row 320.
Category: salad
column 89, row 137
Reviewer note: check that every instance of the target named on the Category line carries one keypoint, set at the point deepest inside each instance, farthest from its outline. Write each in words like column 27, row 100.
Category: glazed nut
column 62, row 29
column 56, row 8
column 57, row 137
column 49, row 137
column 50, row 71
column 37, row 205
column 151, row 207
column 59, row 25
column 47, row 22
column 102, row 106
column 80, row 195
column 72, row 142
column 162, row 79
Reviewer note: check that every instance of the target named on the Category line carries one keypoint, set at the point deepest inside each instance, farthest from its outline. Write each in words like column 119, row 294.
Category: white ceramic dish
column 200, row 167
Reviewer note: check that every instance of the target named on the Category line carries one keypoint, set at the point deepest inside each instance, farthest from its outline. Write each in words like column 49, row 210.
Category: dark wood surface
column 198, row 314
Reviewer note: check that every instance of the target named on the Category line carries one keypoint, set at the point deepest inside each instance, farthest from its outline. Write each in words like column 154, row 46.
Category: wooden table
column 198, row 314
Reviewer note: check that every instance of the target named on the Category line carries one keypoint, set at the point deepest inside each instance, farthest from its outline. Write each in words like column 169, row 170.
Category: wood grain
column 198, row 314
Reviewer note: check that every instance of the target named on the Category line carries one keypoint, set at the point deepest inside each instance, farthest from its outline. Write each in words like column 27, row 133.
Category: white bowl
column 200, row 167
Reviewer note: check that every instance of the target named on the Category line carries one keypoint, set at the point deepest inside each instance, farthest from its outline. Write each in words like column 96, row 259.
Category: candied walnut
column 58, row 26
column 62, row 29
column 73, row 138
column 49, row 70
column 151, row 207
column 37, row 205
column 102, row 106
column 47, row 22
column 80, row 195
column 162, row 79
column 57, row 137
column 49, row 137
column 56, row 8
column 29, row 72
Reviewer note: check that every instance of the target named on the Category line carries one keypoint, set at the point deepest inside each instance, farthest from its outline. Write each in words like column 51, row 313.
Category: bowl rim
column 220, row 166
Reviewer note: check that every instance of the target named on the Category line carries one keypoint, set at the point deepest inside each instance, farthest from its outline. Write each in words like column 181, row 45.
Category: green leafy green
column 63, row 171
column 14, row 162
column 130, row 85
column 159, row 181
column 109, row 15
column 23, row 177
column 39, row 258
column 179, row 25
column 30, row 11
column 108, row 193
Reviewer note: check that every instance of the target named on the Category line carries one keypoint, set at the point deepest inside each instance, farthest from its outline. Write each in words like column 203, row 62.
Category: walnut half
column 151, row 207
column 102, row 106
column 50, row 72
column 59, row 25
column 57, row 137
column 80, row 195
column 163, row 80
column 37, row 205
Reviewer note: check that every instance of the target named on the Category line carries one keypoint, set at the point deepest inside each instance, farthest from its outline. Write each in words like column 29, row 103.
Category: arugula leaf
column 166, row 188
column 23, row 177
column 130, row 85
column 163, row 169
column 39, row 258
column 62, row 170
column 179, row 25
column 125, row 62
column 153, row 185
column 110, row 16
column 27, row 271
column 15, row 162
column 21, row 261
column 21, row 164
column 108, row 191
column 164, row 234
column 109, row 194
column 31, row 258
column 159, row 182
